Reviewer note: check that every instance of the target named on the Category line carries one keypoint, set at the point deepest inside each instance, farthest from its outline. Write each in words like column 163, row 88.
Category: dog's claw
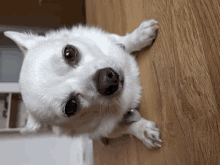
column 151, row 135
column 157, row 145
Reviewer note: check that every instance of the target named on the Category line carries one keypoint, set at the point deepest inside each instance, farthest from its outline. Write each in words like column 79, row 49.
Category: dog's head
column 76, row 81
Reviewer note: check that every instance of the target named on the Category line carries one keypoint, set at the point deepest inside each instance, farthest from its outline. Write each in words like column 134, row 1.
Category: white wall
column 10, row 64
column 40, row 150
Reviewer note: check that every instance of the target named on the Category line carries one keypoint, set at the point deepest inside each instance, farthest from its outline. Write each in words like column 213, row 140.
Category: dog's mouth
column 108, row 81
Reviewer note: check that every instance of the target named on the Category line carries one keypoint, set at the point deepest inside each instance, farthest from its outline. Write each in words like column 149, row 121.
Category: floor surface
column 180, row 75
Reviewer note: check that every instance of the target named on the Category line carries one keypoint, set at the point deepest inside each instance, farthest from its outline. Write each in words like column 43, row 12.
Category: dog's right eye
column 71, row 107
column 70, row 53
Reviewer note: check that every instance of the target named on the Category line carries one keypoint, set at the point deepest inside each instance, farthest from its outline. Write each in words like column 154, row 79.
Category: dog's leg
column 141, row 37
column 143, row 129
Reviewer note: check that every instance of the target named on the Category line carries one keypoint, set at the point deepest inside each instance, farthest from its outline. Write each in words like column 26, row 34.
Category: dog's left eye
column 70, row 53
column 71, row 107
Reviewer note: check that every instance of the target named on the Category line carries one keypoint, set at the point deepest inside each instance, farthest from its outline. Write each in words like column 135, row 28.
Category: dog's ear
column 31, row 126
column 23, row 40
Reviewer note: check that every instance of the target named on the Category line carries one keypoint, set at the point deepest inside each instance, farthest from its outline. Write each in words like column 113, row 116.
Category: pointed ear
column 23, row 40
column 31, row 126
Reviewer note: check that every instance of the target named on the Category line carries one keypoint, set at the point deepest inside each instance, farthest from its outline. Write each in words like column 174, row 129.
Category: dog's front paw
column 148, row 132
column 145, row 34
column 152, row 136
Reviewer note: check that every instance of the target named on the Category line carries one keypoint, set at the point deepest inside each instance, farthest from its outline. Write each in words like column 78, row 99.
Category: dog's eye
column 70, row 53
column 71, row 107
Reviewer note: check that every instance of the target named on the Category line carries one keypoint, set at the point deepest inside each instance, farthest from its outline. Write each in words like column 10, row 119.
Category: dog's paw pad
column 152, row 138
column 151, row 135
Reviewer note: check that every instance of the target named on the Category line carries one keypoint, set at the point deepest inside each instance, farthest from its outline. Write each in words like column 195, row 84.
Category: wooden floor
column 180, row 75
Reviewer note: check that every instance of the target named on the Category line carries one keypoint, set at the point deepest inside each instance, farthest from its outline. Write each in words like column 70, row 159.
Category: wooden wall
column 42, row 13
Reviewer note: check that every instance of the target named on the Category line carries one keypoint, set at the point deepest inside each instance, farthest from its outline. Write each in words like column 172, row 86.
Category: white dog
column 83, row 81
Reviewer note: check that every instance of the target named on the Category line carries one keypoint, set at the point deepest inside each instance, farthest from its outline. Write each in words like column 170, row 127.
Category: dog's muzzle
column 107, row 81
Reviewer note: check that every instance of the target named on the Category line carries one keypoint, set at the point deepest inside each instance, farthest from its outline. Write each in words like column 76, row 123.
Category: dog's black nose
column 107, row 81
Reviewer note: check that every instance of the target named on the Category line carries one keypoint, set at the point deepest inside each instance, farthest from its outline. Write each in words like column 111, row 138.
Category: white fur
column 46, row 80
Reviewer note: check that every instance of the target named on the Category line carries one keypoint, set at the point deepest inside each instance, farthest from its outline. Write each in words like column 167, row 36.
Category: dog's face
column 76, row 81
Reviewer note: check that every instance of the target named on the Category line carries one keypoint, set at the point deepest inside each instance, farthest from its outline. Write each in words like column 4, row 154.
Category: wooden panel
column 41, row 13
column 3, row 114
column 180, row 75
column 18, row 115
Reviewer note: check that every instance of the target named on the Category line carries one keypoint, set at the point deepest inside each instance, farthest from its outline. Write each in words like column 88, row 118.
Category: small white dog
column 84, row 81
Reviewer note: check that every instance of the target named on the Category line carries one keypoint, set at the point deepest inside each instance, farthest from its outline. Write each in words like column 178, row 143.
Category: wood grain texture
column 180, row 75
